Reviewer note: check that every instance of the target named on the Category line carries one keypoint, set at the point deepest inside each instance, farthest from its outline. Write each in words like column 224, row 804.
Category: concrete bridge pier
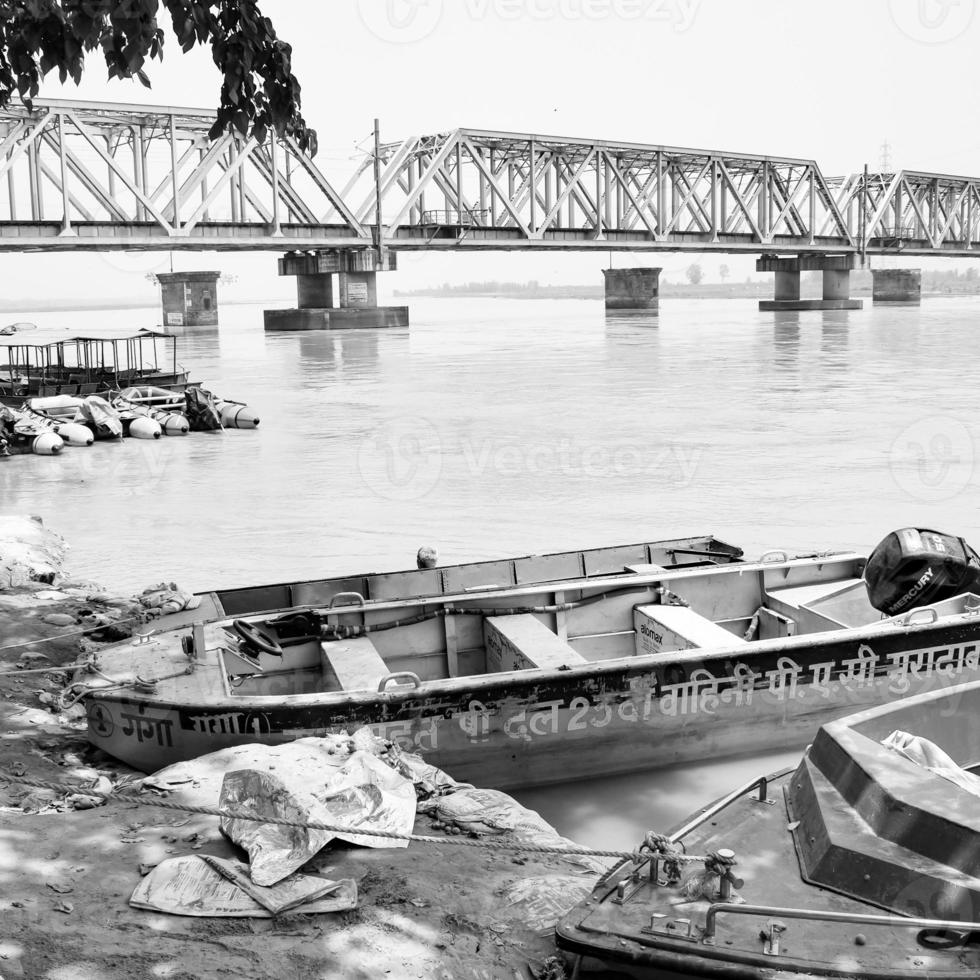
column 896, row 287
column 357, row 274
column 836, row 271
column 189, row 299
column 633, row 289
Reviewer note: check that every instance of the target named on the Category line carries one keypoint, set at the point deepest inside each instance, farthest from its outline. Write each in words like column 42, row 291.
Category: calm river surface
column 503, row 427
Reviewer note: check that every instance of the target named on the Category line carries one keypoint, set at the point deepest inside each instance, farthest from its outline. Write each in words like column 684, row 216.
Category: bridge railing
column 466, row 218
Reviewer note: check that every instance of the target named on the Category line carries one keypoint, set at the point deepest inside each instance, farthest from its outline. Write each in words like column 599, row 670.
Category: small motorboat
column 164, row 407
column 92, row 413
column 24, row 433
column 529, row 671
column 860, row 862
column 58, row 415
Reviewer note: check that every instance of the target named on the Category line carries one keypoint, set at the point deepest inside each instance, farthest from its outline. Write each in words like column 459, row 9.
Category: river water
column 502, row 427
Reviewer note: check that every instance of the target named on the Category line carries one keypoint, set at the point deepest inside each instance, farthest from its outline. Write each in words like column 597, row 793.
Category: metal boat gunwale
column 638, row 579
column 531, row 677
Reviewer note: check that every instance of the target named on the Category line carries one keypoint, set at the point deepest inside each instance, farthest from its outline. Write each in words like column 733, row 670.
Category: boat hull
column 534, row 727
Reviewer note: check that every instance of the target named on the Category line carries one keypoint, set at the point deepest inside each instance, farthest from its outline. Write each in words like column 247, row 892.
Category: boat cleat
column 770, row 936
column 664, row 925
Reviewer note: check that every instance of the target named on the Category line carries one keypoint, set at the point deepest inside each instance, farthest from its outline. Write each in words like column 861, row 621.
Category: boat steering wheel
column 255, row 636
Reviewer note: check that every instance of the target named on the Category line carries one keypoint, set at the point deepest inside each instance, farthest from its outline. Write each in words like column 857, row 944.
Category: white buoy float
column 172, row 423
column 143, row 427
column 235, row 415
column 74, row 433
column 48, row 444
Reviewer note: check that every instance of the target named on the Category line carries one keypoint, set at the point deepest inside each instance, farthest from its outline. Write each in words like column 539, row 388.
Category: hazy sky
column 831, row 80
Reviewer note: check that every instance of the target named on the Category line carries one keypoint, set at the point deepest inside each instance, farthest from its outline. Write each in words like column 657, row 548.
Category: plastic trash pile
column 358, row 781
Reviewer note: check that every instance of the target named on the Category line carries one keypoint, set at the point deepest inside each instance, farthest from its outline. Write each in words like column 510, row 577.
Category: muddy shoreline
column 68, row 866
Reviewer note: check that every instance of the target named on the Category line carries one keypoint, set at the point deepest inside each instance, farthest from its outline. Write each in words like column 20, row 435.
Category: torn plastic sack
column 488, row 811
column 188, row 885
column 931, row 757
column 363, row 793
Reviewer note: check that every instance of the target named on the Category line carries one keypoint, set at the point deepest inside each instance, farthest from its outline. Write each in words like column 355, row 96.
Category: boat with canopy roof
column 88, row 364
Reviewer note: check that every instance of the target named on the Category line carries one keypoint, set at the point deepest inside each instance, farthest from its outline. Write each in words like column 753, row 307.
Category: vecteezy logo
column 402, row 460
column 400, row 21
column 932, row 21
column 932, row 459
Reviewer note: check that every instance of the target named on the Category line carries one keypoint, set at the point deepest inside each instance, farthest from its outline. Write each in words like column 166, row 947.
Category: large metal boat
column 533, row 670
column 87, row 365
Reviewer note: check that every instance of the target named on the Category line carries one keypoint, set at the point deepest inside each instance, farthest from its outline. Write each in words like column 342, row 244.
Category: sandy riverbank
column 66, row 874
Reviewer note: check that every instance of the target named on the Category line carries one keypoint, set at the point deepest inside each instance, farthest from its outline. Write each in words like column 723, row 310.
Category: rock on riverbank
column 66, row 874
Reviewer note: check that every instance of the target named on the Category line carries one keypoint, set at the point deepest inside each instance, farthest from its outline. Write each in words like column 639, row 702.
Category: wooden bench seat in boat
column 667, row 629
column 353, row 665
column 523, row 642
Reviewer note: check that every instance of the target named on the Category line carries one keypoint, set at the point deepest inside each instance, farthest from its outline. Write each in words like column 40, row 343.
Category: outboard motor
column 915, row 567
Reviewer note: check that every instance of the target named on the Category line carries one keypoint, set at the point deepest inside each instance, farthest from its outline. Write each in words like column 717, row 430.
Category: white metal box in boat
column 665, row 629
column 523, row 642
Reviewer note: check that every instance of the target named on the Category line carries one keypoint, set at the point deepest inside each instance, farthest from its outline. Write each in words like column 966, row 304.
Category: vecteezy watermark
column 406, row 459
column 408, row 21
column 134, row 467
column 933, row 459
column 400, row 21
column 402, row 460
column 932, row 21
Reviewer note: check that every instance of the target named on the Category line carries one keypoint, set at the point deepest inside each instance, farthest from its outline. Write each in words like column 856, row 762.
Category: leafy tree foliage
column 259, row 92
column 694, row 273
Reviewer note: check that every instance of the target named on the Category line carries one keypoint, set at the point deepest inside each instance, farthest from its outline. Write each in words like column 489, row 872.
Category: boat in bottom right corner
column 864, row 861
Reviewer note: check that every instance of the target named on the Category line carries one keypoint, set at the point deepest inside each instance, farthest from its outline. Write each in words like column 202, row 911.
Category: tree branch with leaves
column 259, row 92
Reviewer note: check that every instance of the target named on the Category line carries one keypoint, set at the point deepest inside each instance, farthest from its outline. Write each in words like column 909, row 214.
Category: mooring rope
column 63, row 636
column 213, row 811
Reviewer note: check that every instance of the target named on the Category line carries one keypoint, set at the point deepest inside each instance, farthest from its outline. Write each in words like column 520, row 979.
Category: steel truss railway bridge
column 100, row 176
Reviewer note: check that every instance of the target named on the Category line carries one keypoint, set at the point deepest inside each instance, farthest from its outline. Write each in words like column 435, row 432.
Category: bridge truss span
column 83, row 175
column 477, row 189
column 86, row 175
column 912, row 212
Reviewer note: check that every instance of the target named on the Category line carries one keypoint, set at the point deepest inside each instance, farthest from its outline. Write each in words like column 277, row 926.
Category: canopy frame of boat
column 87, row 364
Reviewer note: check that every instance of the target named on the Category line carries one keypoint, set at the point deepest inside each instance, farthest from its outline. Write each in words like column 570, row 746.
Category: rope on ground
column 64, row 636
column 213, row 811
column 65, row 668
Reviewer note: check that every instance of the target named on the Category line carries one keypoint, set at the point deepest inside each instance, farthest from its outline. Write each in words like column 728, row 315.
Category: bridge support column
column 357, row 271
column 898, row 287
column 632, row 289
column 836, row 271
column 787, row 287
column 189, row 299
